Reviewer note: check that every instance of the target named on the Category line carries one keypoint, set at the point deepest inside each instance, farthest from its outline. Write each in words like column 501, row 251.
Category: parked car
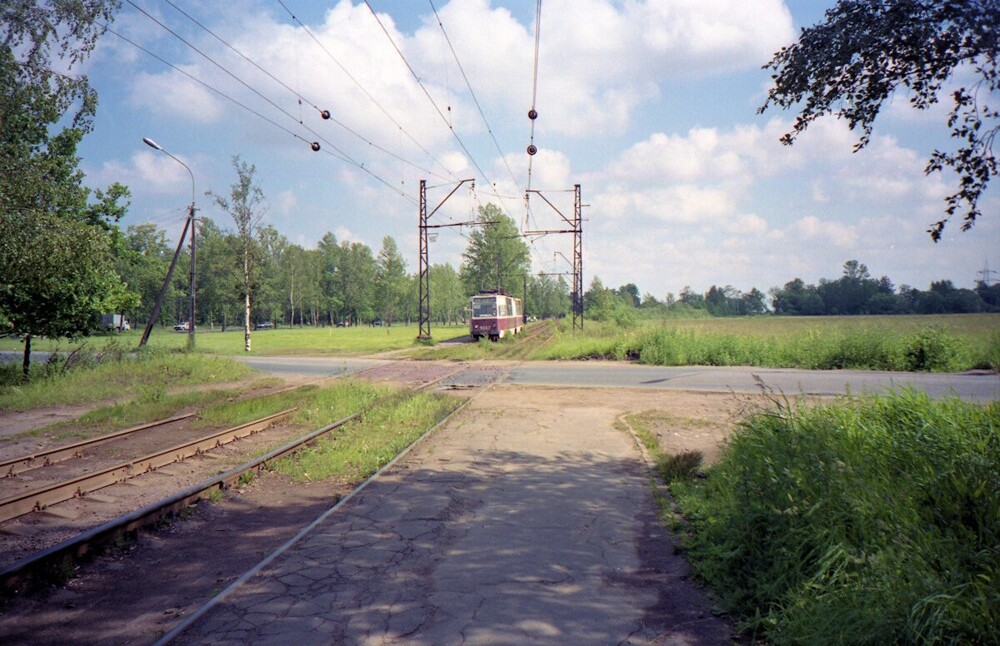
column 182, row 327
column 263, row 325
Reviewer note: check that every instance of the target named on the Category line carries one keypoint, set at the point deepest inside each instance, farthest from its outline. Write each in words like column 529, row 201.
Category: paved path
column 517, row 523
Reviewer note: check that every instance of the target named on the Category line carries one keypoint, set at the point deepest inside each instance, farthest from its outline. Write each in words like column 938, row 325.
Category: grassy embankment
column 872, row 520
column 86, row 378
column 153, row 385
column 915, row 343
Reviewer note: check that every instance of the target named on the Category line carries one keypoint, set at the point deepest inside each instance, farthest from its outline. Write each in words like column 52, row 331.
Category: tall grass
column 874, row 520
column 934, row 344
column 111, row 375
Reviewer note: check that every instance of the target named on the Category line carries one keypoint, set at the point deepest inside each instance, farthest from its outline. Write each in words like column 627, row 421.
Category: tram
column 495, row 314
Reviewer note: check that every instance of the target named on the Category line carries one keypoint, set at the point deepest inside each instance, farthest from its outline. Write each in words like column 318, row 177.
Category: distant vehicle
column 182, row 327
column 377, row 323
column 115, row 322
column 264, row 325
column 341, row 323
column 495, row 314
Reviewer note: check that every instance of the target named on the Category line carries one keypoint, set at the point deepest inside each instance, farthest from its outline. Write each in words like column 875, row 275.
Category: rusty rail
column 24, row 463
column 41, row 498
column 19, row 576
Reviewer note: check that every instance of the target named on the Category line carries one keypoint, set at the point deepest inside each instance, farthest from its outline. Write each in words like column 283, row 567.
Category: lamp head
column 152, row 144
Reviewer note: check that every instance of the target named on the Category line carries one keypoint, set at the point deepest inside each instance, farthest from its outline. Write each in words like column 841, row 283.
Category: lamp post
column 191, row 222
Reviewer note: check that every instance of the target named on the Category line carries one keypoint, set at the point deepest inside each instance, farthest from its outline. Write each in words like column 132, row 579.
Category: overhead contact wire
column 475, row 99
column 338, row 154
column 364, row 90
column 325, row 114
column 461, row 143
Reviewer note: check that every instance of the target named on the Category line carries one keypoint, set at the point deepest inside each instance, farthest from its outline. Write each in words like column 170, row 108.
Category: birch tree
column 245, row 205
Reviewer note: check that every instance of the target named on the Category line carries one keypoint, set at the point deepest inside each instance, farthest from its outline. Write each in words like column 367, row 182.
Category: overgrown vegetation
column 938, row 344
column 84, row 376
column 361, row 447
column 872, row 520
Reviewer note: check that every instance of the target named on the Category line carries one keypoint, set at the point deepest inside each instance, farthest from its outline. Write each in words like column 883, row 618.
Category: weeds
column 111, row 376
column 874, row 520
column 859, row 343
column 363, row 446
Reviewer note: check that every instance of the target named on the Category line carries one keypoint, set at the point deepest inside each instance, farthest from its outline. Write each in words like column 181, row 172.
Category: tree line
column 253, row 274
column 855, row 292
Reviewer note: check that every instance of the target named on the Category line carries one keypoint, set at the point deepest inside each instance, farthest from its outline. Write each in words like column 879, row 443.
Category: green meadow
column 944, row 343
column 940, row 343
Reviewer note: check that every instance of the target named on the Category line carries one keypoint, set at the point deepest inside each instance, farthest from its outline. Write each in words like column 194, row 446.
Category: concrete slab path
column 525, row 520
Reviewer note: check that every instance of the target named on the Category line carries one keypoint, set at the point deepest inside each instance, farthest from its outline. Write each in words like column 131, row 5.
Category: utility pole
column 424, row 299
column 191, row 288
column 163, row 290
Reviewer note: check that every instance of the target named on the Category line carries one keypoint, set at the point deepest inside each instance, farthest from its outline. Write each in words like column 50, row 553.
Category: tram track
column 43, row 497
column 35, row 567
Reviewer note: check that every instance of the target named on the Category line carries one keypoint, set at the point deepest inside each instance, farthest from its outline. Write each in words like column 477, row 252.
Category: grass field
column 946, row 343
column 281, row 341
column 937, row 343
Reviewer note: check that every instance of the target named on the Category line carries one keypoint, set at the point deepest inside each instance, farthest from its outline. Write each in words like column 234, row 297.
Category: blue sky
column 649, row 105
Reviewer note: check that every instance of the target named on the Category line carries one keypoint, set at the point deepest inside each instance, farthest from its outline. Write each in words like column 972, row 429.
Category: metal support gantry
column 577, row 230
column 424, row 302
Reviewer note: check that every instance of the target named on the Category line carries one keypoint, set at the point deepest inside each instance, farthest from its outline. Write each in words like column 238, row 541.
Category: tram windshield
column 484, row 307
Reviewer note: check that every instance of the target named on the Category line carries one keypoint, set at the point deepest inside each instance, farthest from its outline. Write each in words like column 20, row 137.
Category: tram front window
column 484, row 308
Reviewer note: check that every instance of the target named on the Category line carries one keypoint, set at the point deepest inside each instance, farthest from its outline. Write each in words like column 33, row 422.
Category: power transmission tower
column 424, row 301
column 986, row 272
column 577, row 230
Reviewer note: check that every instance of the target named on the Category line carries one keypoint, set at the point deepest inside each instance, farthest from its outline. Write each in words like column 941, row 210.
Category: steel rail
column 19, row 576
column 24, row 463
column 41, row 498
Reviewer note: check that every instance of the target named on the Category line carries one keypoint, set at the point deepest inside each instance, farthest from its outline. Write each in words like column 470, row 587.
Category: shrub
column 932, row 350
column 875, row 520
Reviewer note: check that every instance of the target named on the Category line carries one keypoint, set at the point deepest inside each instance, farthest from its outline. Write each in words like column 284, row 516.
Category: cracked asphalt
column 524, row 520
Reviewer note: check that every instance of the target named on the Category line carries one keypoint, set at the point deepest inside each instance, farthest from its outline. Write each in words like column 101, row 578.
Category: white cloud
column 174, row 94
column 836, row 233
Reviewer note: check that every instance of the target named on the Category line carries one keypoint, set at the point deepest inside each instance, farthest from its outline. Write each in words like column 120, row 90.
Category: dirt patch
column 142, row 591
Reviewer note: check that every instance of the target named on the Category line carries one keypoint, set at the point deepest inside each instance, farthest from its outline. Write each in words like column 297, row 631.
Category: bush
column 875, row 520
column 932, row 350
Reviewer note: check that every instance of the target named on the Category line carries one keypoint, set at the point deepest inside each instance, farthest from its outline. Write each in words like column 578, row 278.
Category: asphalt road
column 979, row 386
column 605, row 374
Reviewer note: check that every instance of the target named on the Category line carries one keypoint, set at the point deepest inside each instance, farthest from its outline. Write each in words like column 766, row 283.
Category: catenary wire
column 363, row 89
column 338, row 154
column 534, row 82
column 302, row 98
column 413, row 72
column 475, row 99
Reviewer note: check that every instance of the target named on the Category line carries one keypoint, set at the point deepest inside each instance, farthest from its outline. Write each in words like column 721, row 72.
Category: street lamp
column 191, row 222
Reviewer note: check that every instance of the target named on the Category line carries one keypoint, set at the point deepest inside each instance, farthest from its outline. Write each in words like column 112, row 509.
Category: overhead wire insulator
column 315, row 146
column 325, row 114
column 532, row 114
column 532, row 149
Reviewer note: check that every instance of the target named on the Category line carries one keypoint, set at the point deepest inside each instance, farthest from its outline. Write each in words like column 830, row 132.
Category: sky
column 649, row 105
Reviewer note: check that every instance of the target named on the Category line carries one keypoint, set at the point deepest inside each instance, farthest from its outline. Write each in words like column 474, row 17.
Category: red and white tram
column 495, row 314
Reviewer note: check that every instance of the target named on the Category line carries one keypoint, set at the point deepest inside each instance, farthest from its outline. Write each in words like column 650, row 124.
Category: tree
column 246, row 206
column 55, row 253
column 141, row 264
column 866, row 50
column 390, row 281
column 449, row 302
column 56, row 275
column 497, row 257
